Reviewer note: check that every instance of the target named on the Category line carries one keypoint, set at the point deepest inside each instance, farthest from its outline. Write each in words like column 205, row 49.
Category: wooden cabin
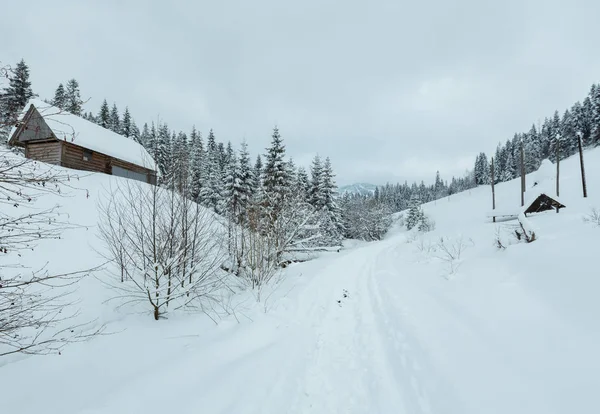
column 51, row 135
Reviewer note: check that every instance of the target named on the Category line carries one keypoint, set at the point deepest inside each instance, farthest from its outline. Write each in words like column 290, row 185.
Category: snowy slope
column 358, row 188
column 382, row 328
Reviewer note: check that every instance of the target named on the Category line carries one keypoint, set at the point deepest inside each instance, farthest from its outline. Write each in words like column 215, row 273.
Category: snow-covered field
column 386, row 327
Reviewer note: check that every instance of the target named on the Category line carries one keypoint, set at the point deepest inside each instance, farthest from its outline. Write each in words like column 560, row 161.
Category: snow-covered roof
column 532, row 195
column 86, row 134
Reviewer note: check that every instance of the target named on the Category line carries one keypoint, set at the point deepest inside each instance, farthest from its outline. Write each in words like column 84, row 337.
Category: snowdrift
column 442, row 322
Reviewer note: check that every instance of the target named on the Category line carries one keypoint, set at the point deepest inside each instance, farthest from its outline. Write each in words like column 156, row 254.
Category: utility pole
column 579, row 135
column 522, row 175
column 557, row 167
column 493, row 193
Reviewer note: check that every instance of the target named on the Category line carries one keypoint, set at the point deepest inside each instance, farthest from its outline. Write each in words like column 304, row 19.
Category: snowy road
column 370, row 330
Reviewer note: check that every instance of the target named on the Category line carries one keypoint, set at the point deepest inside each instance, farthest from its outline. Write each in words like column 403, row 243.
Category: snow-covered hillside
column 396, row 326
column 358, row 188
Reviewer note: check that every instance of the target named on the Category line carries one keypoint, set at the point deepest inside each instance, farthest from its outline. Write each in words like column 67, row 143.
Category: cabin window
column 87, row 155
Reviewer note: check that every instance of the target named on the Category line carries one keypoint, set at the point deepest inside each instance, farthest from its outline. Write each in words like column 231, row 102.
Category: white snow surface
column 510, row 330
column 78, row 131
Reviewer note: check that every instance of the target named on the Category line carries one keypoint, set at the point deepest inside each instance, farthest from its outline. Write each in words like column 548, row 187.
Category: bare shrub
column 167, row 251
column 593, row 217
column 450, row 251
column 33, row 319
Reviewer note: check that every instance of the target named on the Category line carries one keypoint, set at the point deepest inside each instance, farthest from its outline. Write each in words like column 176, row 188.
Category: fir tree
column 257, row 185
column 197, row 151
column 126, row 124
column 414, row 215
column 114, row 121
column 245, row 182
column 211, row 194
column 315, row 171
column 275, row 174
column 60, row 98
column 104, row 116
column 302, row 186
column 15, row 96
column 73, row 101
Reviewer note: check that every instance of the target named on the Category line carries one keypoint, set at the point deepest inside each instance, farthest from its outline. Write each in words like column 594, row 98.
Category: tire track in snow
column 422, row 387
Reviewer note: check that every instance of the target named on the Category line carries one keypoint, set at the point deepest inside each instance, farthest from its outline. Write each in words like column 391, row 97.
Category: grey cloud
column 390, row 90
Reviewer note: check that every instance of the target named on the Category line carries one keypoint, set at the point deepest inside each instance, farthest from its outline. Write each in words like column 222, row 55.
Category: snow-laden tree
column 257, row 184
column 114, row 119
column 315, row 172
column 166, row 250
column 73, row 101
column 103, row 117
column 60, row 98
column 595, row 114
column 211, row 194
column 196, row 165
column 302, row 184
column 275, row 179
column 415, row 214
column 126, row 124
column 14, row 96
column 365, row 218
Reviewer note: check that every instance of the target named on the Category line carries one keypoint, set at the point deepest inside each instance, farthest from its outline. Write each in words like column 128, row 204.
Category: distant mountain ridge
column 357, row 188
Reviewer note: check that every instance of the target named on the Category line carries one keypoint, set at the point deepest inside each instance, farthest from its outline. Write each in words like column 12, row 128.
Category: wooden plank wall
column 72, row 157
column 35, row 128
column 49, row 151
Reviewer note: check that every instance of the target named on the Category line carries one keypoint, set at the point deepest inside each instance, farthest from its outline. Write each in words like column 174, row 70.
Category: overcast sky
column 390, row 90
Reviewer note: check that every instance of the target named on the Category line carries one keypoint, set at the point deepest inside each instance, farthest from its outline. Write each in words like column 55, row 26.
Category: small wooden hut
column 543, row 202
column 51, row 135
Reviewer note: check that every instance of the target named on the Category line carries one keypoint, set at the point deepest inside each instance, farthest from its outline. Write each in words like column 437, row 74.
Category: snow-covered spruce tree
column 275, row 179
column 145, row 137
column 211, row 194
column 180, row 163
column 73, row 101
column 595, row 115
column 315, row 172
column 257, row 184
column 414, row 215
column 164, row 154
column 327, row 207
column 103, row 117
column 60, row 98
column 302, row 184
column 114, row 120
column 14, row 96
column 196, row 165
column 166, row 250
column 126, row 124
column 244, row 183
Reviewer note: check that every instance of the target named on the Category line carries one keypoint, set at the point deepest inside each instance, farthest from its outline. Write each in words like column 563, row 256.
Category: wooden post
column 579, row 134
column 522, row 175
column 493, row 193
column 557, row 168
